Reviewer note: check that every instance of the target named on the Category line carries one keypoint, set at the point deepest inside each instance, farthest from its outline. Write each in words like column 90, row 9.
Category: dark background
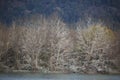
column 71, row 11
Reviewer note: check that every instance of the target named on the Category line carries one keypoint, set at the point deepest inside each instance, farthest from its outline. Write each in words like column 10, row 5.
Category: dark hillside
column 71, row 11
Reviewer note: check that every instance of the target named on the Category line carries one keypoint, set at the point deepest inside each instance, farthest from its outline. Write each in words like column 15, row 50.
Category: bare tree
column 95, row 41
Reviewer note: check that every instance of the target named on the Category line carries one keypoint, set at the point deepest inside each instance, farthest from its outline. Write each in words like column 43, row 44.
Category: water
column 38, row 76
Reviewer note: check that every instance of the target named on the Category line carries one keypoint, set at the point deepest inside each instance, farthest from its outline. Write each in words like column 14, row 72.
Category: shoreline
column 59, row 72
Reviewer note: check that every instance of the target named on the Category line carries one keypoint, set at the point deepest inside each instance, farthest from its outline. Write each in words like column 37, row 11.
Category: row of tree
column 49, row 45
